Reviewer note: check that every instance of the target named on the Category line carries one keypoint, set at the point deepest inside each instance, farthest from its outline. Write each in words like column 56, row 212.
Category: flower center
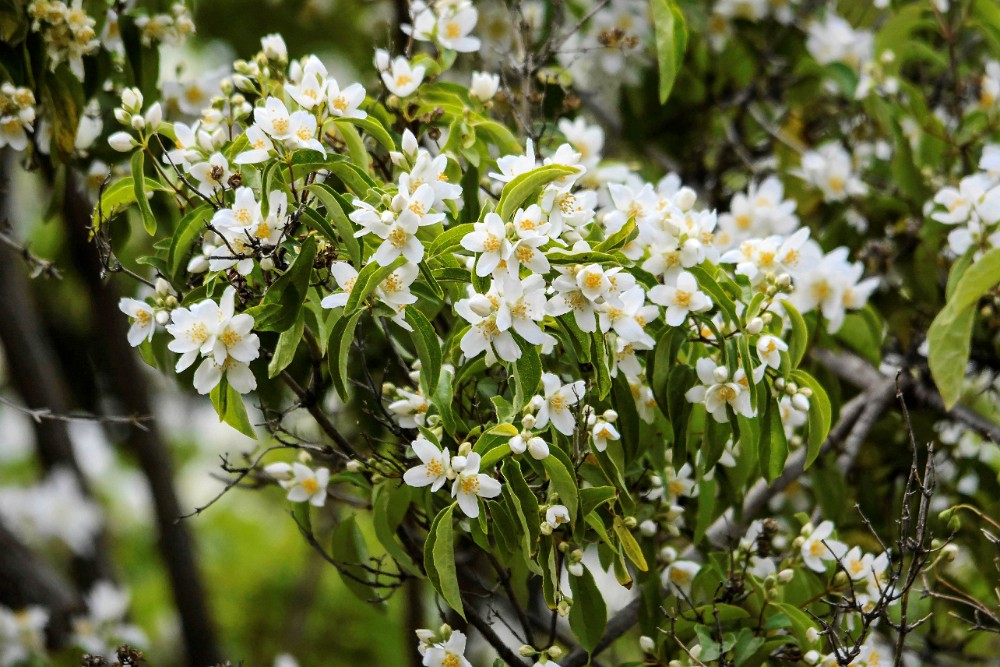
column 469, row 486
column 310, row 485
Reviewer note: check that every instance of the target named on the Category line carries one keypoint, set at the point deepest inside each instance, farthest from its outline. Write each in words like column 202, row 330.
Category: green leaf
column 118, row 196
column 443, row 558
column 288, row 343
column 592, row 497
column 719, row 296
column 229, row 406
column 448, row 240
column 527, row 185
column 773, row 444
column 341, row 337
column 820, row 414
column 632, row 548
column 189, row 228
column 389, row 506
column 671, row 41
column 589, row 615
column 334, row 203
column 527, row 373
column 563, row 483
column 138, row 181
column 368, row 279
column 372, row 128
column 285, row 296
column 950, row 333
column 428, row 350
column 348, row 548
column 799, row 338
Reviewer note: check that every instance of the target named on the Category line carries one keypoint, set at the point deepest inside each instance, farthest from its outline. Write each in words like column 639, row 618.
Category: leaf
column 950, row 333
column 671, row 42
column 799, row 338
column 288, row 343
column 632, row 548
column 448, row 240
column 563, row 483
column 428, row 350
column 589, row 615
column 442, row 553
column 138, row 181
column 719, row 296
column 341, row 337
column 189, row 228
column 334, row 204
column 229, row 406
column 285, row 296
column 348, row 548
column 527, row 373
column 528, row 185
column 372, row 128
column 389, row 506
column 368, row 279
column 773, row 444
column 820, row 414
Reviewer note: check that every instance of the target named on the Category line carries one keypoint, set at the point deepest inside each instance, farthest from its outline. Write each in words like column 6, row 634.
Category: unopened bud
column 132, row 100
column 800, row 403
column 812, row 635
column 123, row 142
column 266, row 264
column 647, row 644
column 162, row 317
column 154, row 115
column 648, row 528
column 576, row 569
column 786, row 575
column 950, row 552
column 527, row 651
column 755, row 326
column 138, row 122
column 721, row 374
column 630, row 522
column 353, row 466
column 545, row 528
column 685, row 198
column 610, row 416
column 122, row 116
column 554, row 652
column 528, row 421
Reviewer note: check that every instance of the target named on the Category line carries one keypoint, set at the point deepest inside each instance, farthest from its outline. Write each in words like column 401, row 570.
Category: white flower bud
column 779, row 383
column 695, row 651
column 381, row 59
column 132, row 100
column 458, row 463
column 528, row 421
column 274, row 48
column 545, row 528
column 755, row 326
column 685, row 198
column 800, row 403
column 786, row 575
column 610, row 416
column 354, row 466
column 266, row 264
column 162, row 317
column 484, row 85
column 138, row 122
column 538, row 448
column 721, row 374
column 163, row 288
column 811, row 657
column 123, row 117
column 154, row 115
column 647, row 644
column 554, row 652
column 123, row 142
column 784, row 280
column 527, row 651
column 648, row 528
column 576, row 569
column 812, row 635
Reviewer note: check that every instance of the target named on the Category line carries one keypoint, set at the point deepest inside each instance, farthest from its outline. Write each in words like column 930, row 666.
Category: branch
column 509, row 655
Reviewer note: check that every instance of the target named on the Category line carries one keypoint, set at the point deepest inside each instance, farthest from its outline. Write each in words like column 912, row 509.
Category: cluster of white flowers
column 22, row 634
column 446, row 23
column 172, row 29
column 725, row 12
column 596, row 55
column 53, row 509
column 437, row 466
column 67, row 30
column 972, row 208
column 212, row 331
column 17, row 116
column 835, row 40
column 831, row 169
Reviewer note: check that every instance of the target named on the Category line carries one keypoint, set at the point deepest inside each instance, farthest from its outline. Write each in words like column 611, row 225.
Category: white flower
column 410, row 409
column 346, row 276
column 628, row 316
column 603, row 432
column 557, row 515
column 401, row 79
column 307, row 485
column 819, row 547
column 489, row 238
column 260, row 146
column 453, row 30
column 143, row 320
column 22, row 634
column 716, row 392
column 484, row 85
column 450, row 653
column 829, row 168
column 344, row 103
column 434, row 467
column 556, row 403
column 12, row 133
column 834, row 40
column 211, row 174
column 681, row 299
column 512, row 166
column 769, row 349
column 485, row 334
column 274, row 48
column 470, row 485
column 311, row 87
column 679, row 576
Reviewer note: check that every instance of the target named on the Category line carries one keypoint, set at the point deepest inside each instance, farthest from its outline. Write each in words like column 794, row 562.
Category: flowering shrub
column 563, row 382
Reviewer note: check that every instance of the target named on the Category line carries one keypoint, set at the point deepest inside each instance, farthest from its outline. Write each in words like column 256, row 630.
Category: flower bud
column 786, row 575
column 576, row 569
column 685, row 198
column 563, row 607
column 527, row 651
column 668, row 555
column 721, row 374
column 458, row 463
column 812, row 635
column 784, row 281
column 545, row 528
column 648, row 527
column 138, row 122
column 266, row 264
column 354, row 466
column 695, row 651
column 465, row 448
column 528, row 421
column 274, row 47
column 791, row 388
column 154, row 115
column 630, row 522
column 132, row 100
column 800, row 403
column 162, row 317
column 647, row 644
column 950, row 552
column 811, row 657
column 484, row 86
column 123, row 142
column 610, row 416
column 122, row 116
column 755, row 326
